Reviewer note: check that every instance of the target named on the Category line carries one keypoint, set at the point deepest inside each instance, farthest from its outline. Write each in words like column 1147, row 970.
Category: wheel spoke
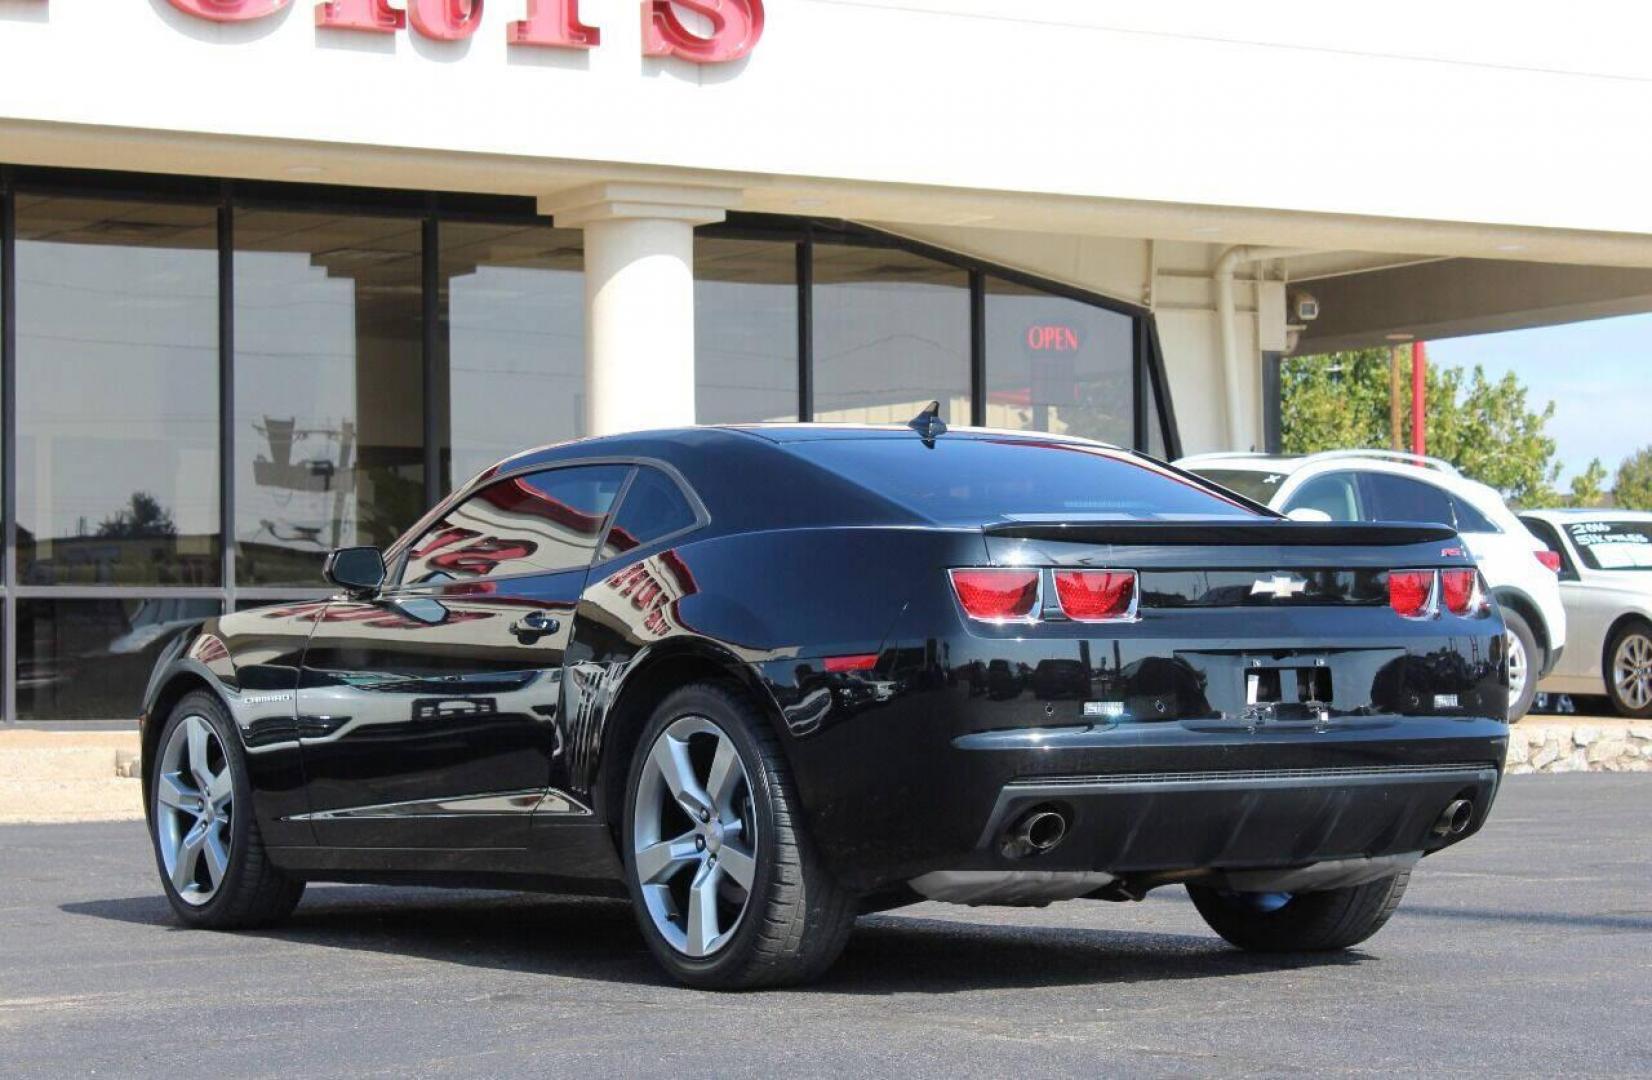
column 738, row 865
column 189, row 850
column 170, row 792
column 702, row 911
column 677, row 769
column 217, row 858
column 658, row 862
column 196, row 729
column 724, row 779
column 221, row 788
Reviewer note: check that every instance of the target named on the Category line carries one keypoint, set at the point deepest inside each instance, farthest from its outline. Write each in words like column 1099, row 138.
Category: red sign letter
column 374, row 15
column 553, row 23
column 735, row 27
column 230, row 10
column 445, row 20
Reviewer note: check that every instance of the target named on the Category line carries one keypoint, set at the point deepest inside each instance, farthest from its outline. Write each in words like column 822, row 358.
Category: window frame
column 696, row 508
column 396, row 556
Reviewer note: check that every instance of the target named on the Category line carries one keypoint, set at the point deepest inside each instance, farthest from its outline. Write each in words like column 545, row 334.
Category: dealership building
column 277, row 274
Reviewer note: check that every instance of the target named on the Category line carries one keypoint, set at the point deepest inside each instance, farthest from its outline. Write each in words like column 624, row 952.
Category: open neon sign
column 734, row 25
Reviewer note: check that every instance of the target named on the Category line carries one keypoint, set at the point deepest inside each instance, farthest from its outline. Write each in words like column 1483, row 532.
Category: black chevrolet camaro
column 764, row 679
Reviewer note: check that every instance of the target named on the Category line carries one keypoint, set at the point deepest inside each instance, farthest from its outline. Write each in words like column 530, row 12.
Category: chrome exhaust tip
column 1455, row 819
column 1038, row 831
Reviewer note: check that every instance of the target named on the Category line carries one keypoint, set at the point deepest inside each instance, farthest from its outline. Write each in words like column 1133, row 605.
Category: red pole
column 1419, row 366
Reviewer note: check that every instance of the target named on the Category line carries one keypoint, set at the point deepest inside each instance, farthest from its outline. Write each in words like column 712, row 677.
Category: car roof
column 778, row 434
column 1587, row 513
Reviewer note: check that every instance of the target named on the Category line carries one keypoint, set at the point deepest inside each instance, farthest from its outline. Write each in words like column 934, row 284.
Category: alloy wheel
column 1519, row 668
column 194, row 810
column 694, row 836
column 1632, row 671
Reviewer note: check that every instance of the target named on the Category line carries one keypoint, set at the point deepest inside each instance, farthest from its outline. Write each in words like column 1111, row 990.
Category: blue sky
column 1598, row 374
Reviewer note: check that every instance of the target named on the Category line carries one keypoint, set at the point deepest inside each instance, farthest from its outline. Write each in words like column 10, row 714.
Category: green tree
column 1633, row 486
column 143, row 518
column 1340, row 401
column 1588, row 486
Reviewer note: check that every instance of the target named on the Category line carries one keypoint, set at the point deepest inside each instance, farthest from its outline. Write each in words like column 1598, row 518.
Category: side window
column 1400, row 498
column 1335, row 494
column 654, row 506
column 1550, row 538
column 1470, row 519
column 534, row 523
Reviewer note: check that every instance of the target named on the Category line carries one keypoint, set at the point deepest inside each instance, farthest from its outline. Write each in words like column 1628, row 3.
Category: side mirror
column 359, row 571
column 1308, row 513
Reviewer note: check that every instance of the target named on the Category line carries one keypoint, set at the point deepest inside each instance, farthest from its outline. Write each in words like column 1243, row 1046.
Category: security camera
column 1304, row 307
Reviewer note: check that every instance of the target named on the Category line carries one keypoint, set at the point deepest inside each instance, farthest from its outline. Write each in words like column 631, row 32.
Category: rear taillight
column 1096, row 595
column 1460, row 590
column 998, row 594
column 1550, row 559
column 1411, row 592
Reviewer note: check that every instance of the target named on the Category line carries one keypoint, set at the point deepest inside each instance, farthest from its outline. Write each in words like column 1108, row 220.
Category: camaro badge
column 1280, row 587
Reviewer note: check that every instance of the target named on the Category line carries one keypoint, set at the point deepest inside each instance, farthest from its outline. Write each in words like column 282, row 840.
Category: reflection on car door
column 431, row 715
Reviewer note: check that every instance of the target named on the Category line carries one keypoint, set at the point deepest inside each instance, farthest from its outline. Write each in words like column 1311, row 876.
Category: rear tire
column 1629, row 671
column 793, row 920
column 1305, row 922
column 1523, row 652
column 213, row 866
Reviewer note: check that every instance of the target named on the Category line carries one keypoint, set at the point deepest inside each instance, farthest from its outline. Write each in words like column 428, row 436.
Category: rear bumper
column 1139, row 823
column 1145, row 799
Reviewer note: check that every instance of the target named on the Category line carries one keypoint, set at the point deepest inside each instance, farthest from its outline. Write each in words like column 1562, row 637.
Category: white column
column 639, row 297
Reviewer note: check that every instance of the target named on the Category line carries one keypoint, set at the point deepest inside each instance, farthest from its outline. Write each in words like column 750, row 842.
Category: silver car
column 1604, row 559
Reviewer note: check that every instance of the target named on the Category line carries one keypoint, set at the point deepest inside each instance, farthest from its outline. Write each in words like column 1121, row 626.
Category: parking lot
column 1528, row 949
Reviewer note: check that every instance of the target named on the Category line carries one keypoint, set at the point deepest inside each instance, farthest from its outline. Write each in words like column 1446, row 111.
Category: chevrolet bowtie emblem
column 1279, row 587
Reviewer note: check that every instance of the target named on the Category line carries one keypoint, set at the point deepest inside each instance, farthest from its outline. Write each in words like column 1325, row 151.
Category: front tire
column 1303, row 922
column 1629, row 671
column 1523, row 664
column 727, row 887
column 212, row 863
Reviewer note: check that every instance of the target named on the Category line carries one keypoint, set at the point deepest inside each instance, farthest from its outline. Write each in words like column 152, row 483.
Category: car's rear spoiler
column 1262, row 532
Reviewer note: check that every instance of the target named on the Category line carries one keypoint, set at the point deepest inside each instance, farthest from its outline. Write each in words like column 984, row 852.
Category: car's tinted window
column 654, row 506
column 534, row 523
column 1471, row 520
column 963, row 480
column 1613, row 545
column 1335, row 494
column 1258, row 486
column 1400, row 498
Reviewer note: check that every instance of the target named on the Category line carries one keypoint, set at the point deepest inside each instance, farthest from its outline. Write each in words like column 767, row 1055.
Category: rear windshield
column 977, row 481
column 1613, row 545
column 1257, row 486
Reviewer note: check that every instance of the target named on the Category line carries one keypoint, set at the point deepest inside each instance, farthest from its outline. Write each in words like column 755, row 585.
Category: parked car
column 1378, row 485
column 761, row 679
column 1604, row 559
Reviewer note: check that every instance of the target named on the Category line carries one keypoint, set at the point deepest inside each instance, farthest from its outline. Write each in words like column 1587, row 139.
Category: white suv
column 1380, row 485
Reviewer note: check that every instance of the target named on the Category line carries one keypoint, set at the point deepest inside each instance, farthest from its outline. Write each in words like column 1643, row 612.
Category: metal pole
column 1396, row 395
column 1419, row 368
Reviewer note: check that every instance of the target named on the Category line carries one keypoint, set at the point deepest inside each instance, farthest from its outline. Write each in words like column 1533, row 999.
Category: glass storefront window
column 891, row 334
column 512, row 309
column 117, row 393
column 1058, row 365
column 745, row 331
column 1155, row 428
column 90, row 659
column 329, row 398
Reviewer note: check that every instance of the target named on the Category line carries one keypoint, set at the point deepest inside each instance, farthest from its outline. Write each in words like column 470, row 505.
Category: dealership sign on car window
column 731, row 28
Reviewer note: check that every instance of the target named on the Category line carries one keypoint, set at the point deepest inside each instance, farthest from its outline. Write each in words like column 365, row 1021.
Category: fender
column 1521, row 601
column 250, row 660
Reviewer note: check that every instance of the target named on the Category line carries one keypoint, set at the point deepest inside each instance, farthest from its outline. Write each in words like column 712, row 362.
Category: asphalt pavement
column 1527, row 949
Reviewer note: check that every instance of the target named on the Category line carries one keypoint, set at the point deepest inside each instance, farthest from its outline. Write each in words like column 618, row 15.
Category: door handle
column 535, row 625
